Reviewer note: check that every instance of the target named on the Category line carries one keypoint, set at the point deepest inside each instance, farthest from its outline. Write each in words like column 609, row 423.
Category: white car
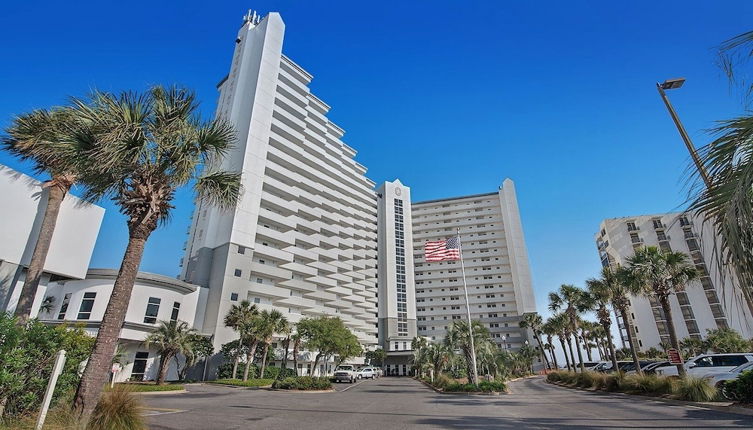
column 345, row 373
column 708, row 364
column 366, row 372
column 717, row 378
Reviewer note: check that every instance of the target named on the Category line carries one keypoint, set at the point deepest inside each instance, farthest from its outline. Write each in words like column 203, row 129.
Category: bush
column 741, row 388
column 27, row 355
column 442, row 381
column 485, row 387
column 117, row 410
column 144, row 388
column 646, row 384
column 240, row 383
column 303, row 383
column 695, row 389
column 492, row 386
column 612, row 383
column 599, row 381
column 584, row 380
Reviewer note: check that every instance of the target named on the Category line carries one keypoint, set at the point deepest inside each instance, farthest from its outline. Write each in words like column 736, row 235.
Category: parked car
column 589, row 365
column 379, row 372
column 708, row 364
column 345, row 373
column 366, row 372
column 650, row 369
column 630, row 368
column 717, row 379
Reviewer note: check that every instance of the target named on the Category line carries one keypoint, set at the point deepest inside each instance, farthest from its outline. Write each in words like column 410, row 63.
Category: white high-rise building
column 397, row 293
column 710, row 303
column 303, row 238
column 496, row 265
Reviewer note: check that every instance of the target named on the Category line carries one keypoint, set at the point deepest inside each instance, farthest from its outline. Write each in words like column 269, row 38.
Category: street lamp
column 672, row 84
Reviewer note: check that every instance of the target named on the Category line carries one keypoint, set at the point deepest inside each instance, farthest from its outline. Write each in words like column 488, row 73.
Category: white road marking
column 351, row 386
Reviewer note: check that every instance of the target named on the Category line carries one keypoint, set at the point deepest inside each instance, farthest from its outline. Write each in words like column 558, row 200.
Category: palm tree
column 270, row 322
column 620, row 283
column 586, row 328
column 170, row 339
column 458, row 338
column 726, row 201
column 660, row 274
column 153, row 145
column 241, row 318
column 692, row 346
column 560, row 323
column 288, row 332
column 533, row 321
column 600, row 293
column 297, row 339
column 439, row 356
column 572, row 299
column 550, row 331
column 56, row 143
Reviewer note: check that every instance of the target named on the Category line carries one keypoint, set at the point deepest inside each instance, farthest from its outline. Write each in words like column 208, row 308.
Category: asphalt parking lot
column 402, row 403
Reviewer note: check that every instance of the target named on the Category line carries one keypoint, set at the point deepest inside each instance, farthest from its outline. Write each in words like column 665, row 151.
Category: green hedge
column 240, row 383
column 741, row 388
column 145, row 388
column 482, row 387
column 303, row 383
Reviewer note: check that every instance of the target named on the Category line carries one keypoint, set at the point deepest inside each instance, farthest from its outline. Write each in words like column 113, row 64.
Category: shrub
column 647, row 384
column 741, row 388
column 492, row 386
column 695, row 389
column 613, row 382
column 141, row 388
column 27, row 354
column 599, row 381
column 240, row 383
column 117, row 410
column 303, row 383
column 554, row 376
column 584, row 379
column 485, row 387
column 441, row 381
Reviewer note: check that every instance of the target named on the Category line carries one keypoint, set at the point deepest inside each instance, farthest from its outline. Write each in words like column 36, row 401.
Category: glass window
column 704, row 362
column 139, row 366
column 238, row 273
column 152, row 308
column 64, row 306
column 85, row 311
column 233, row 297
column 176, row 311
column 728, row 360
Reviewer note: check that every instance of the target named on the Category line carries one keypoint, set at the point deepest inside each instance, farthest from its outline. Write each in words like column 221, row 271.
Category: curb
column 260, row 387
column 154, row 393
column 303, row 391
column 731, row 409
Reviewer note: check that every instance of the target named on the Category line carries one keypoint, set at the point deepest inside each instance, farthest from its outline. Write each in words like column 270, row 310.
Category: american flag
column 442, row 250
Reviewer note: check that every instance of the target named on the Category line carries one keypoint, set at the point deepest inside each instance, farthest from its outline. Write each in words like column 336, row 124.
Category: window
column 257, row 300
column 176, row 310
column 152, row 308
column 241, row 249
column 85, row 311
column 233, row 297
column 238, row 273
column 64, row 306
column 139, row 366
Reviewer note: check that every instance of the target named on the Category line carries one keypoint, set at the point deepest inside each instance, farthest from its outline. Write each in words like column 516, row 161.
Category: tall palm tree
column 561, row 324
column 726, row 202
column 586, row 328
column 621, row 285
column 550, row 331
column 152, row 146
column 297, row 340
column 58, row 144
column 270, row 322
column 600, row 297
column 241, row 318
column 572, row 300
column 170, row 339
column 660, row 274
column 534, row 321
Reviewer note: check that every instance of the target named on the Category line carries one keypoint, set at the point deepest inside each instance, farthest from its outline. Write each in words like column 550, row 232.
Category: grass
column 145, row 388
column 118, row 409
column 241, row 383
column 695, row 389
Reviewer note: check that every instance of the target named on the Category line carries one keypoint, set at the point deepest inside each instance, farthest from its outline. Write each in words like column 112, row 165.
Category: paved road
column 401, row 403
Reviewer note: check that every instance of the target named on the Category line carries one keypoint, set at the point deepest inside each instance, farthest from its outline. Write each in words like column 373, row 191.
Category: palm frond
column 221, row 189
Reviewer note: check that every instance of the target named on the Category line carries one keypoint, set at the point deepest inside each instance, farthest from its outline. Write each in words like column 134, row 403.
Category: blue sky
column 450, row 97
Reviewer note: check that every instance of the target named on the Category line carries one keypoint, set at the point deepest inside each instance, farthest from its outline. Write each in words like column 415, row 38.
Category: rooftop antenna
column 251, row 17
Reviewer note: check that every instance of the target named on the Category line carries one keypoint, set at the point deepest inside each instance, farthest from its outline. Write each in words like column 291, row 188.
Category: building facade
column 303, row 238
column 397, row 293
column 72, row 242
column 496, row 265
column 709, row 303
column 155, row 298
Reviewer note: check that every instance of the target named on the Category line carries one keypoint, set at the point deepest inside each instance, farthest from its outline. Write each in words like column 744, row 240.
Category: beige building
column 710, row 303
column 496, row 265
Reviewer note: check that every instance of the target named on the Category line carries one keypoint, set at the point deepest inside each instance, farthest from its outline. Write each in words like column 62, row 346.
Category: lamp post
column 671, row 84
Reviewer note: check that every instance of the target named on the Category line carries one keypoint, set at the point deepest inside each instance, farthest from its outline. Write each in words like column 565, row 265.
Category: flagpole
column 468, row 309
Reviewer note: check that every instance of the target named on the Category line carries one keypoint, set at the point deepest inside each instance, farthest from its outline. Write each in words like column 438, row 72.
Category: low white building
column 154, row 298
column 24, row 203
column 712, row 302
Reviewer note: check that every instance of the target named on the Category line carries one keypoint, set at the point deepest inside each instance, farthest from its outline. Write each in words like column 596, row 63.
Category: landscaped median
column 251, row 383
column 144, row 387
column 444, row 384
column 689, row 388
column 303, row 383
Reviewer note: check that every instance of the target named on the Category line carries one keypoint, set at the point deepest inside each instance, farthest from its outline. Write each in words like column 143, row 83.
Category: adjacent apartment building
column 709, row 303
column 496, row 265
column 303, row 238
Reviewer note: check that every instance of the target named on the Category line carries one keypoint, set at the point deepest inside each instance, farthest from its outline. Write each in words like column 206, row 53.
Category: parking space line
column 351, row 386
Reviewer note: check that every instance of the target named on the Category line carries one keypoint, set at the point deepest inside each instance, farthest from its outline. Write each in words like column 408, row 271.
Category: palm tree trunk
column 586, row 346
column 235, row 365
column 264, row 360
column 564, row 351
column 572, row 355
column 55, row 195
column 98, row 367
column 610, row 345
column 164, row 364
column 664, row 301
column 580, row 353
column 541, row 348
column 631, row 341
column 315, row 363
column 249, row 359
column 295, row 356
column 285, row 357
